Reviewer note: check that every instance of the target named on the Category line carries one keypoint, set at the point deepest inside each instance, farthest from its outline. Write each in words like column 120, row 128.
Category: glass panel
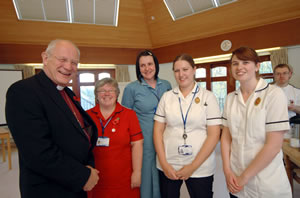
column 265, row 67
column 202, row 84
column 103, row 75
column 87, row 97
column 225, row 1
column 200, row 73
column 201, row 5
column 218, row 71
column 86, row 77
column 269, row 80
column 237, row 85
column 219, row 88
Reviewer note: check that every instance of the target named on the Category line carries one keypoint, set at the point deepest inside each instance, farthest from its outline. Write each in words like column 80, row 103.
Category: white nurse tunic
column 204, row 111
column 264, row 111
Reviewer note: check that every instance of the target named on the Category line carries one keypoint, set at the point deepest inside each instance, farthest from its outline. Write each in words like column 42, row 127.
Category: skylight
column 99, row 12
column 182, row 8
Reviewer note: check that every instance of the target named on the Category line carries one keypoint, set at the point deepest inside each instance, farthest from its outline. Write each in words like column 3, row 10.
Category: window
column 216, row 77
column 83, row 84
column 182, row 8
column 86, row 84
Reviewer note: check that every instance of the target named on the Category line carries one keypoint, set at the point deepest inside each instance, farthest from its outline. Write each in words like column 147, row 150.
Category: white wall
column 7, row 66
column 294, row 61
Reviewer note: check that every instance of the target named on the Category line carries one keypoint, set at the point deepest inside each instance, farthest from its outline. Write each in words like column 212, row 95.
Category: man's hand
column 93, row 179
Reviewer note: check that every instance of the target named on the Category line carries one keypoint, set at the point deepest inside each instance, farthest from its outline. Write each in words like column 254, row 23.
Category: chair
column 4, row 134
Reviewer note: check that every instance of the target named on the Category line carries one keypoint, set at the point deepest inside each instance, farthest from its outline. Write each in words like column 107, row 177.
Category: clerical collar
column 60, row 88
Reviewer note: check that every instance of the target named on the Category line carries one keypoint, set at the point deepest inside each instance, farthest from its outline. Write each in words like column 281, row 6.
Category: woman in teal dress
column 143, row 96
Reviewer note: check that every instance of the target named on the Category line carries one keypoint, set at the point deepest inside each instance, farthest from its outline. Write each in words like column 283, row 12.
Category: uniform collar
column 261, row 85
column 176, row 90
column 158, row 81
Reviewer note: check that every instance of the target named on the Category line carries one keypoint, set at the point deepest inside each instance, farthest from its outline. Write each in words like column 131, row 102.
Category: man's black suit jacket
column 53, row 148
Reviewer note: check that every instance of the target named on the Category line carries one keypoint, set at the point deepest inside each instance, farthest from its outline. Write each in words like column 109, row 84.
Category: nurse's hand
column 185, row 172
column 242, row 180
column 232, row 182
column 136, row 179
column 169, row 171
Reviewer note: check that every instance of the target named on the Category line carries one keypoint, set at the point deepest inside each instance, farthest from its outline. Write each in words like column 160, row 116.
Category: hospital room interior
column 110, row 35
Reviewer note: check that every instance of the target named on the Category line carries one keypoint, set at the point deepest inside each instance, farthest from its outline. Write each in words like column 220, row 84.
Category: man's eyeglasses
column 282, row 74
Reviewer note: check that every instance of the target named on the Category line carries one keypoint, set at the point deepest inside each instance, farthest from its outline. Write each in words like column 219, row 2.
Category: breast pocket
column 236, row 120
column 257, row 123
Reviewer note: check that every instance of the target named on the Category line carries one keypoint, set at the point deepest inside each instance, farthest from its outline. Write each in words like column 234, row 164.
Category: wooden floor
column 9, row 180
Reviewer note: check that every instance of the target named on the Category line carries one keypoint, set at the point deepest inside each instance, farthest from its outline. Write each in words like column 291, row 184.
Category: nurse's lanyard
column 103, row 127
column 154, row 93
column 185, row 118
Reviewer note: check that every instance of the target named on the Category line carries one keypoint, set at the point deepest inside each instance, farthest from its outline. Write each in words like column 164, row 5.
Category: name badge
column 102, row 141
column 185, row 150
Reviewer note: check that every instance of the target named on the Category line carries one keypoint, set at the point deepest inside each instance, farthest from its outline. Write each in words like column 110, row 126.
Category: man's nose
column 68, row 65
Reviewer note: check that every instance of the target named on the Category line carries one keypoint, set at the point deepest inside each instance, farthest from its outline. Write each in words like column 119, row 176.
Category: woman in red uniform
column 119, row 149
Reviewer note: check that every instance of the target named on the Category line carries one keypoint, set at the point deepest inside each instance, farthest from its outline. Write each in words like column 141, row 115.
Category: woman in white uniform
column 186, row 131
column 255, row 119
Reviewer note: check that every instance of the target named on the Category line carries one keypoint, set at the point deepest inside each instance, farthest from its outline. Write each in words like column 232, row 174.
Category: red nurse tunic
column 114, row 162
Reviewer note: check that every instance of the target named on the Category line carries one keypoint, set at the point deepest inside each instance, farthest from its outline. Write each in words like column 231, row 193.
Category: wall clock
column 226, row 45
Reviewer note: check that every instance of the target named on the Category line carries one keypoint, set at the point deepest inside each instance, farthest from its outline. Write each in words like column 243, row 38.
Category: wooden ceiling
column 147, row 24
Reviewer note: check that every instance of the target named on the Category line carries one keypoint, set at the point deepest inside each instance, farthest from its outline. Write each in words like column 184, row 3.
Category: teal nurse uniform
column 143, row 99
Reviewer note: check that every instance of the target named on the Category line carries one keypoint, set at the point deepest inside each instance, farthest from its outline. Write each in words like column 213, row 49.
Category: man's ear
column 44, row 57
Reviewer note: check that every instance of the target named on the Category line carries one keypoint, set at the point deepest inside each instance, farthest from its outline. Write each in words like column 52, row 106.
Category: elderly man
column 282, row 75
column 54, row 135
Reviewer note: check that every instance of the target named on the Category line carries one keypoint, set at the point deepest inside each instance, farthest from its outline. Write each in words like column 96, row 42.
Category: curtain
column 28, row 71
column 279, row 57
column 122, row 74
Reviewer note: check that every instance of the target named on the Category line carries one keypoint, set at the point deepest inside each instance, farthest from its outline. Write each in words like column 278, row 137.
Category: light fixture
column 223, row 57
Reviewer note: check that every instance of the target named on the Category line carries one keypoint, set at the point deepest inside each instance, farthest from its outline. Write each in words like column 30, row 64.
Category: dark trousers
column 197, row 187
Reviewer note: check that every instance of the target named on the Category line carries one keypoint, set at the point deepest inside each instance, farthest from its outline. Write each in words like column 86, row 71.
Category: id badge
column 102, row 141
column 185, row 150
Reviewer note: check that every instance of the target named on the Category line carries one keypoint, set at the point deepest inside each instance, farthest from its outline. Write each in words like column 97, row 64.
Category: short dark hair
column 246, row 54
column 283, row 66
column 137, row 64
